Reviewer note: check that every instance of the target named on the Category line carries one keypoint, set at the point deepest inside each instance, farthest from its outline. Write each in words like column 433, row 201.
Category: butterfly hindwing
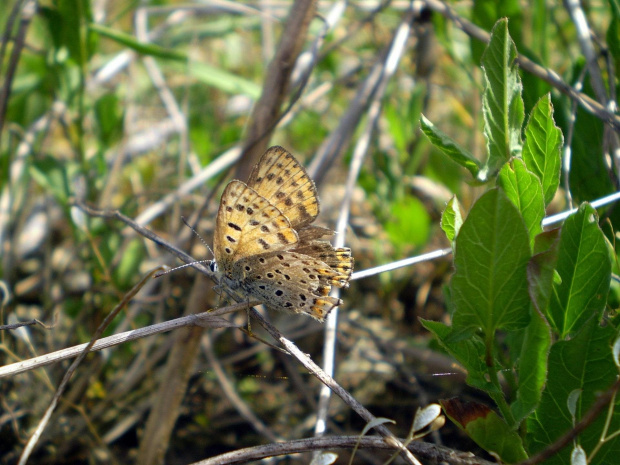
column 339, row 260
column 288, row 281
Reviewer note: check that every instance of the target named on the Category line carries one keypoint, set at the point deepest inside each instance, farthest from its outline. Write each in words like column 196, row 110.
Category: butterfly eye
column 213, row 266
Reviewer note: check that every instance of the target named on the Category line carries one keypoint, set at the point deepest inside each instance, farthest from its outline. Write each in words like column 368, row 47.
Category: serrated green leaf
column 524, row 190
column 444, row 143
column 585, row 271
column 583, row 363
column 452, row 219
column 543, row 145
column 502, row 104
column 489, row 286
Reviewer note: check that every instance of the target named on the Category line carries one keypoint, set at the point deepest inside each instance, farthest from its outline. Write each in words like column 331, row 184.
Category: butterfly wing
column 247, row 225
column 339, row 260
column 288, row 281
column 281, row 179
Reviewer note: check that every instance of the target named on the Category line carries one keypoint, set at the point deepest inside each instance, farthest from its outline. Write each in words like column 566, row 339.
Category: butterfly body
column 265, row 246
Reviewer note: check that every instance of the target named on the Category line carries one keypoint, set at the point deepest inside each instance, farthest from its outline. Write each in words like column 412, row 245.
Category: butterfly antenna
column 189, row 264
column 197, row 235
column 181, row 267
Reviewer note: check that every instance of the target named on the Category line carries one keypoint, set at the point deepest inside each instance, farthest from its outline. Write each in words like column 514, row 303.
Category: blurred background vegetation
column 120, row 104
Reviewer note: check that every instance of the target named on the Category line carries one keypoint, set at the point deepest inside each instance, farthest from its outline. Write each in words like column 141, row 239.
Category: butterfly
column 266, row 247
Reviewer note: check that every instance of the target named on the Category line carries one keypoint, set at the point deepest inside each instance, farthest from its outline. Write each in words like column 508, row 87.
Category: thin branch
column 431, row 452
column 206, row 319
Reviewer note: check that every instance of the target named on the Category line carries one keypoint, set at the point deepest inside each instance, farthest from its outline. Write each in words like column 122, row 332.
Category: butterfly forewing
column 281, row 179
column 247, row 224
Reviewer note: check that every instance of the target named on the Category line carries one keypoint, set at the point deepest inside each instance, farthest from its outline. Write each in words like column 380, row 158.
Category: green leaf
column 524, row 190
column 585, row 271
column 584, row 363
column 452, row 219
column 137, row 46
column 469, row 352
column 532, row 367
column 489, row 286
column 502, row 104
column 486, row 428
column 543, row 145
column 225, row 81
column 449, row 147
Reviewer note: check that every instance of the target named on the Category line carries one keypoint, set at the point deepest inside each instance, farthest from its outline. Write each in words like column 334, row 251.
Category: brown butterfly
column 265, row 246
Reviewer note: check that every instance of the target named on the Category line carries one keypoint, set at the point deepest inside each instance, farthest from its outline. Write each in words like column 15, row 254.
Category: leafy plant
column 527, row 305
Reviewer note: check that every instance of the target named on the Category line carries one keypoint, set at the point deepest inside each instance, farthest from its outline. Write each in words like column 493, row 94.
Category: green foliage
column 546, row 290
